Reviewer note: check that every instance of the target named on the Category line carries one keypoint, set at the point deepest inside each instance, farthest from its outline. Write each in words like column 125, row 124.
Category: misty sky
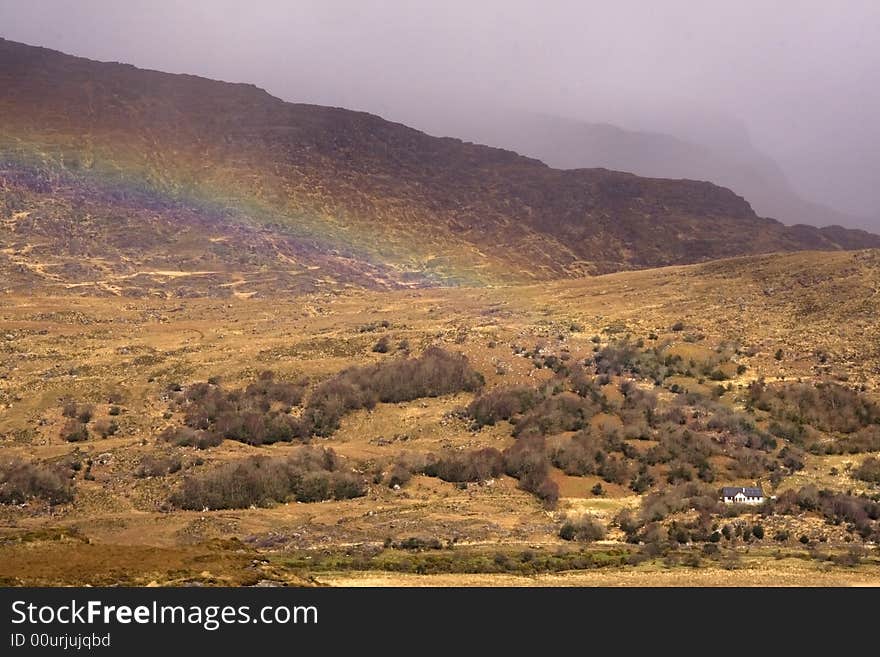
column 802, row 75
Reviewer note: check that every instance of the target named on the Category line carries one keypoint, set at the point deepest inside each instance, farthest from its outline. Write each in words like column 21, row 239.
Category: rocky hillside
column 109, row 173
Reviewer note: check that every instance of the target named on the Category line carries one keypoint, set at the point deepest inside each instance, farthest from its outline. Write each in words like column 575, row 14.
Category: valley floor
column 801, row 316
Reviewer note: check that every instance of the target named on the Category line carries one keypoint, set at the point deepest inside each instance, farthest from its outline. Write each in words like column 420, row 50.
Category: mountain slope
column 126, row 172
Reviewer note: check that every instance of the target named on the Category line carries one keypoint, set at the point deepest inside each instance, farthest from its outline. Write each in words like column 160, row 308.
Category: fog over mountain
column 570, row 143
column 777, row 102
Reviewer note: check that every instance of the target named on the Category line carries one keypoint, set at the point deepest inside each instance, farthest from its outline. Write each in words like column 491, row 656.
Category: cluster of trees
column 656, row 363
column 860, row 514
column 459, row 467
column 262, row 412
column 866, row 439
column 656, row 525
column 21, row 481
column 309, row 475
column 526, row 461
column 502, row 404
column 657, row 522
column 565, row 411
column 189, row 437
column 591, row 453
column 687, row 433
column 436, row 372
column 682, row 497
column 829, row 407
column 258, row 414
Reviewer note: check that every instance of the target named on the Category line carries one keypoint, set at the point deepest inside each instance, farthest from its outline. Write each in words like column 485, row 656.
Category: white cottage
column 742, row 495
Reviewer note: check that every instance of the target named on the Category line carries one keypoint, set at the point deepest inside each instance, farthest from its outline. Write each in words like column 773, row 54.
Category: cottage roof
column 732, row 491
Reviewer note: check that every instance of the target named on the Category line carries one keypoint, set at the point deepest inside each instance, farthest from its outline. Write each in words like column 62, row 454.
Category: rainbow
column 127, row 173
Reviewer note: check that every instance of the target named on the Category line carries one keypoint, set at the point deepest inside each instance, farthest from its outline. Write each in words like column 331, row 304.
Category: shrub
column 627, row 522
column 502, row 404
column 74, row 431
column 85, row 413
column 417, row 543
column 268, row 389
column 476, row 465
column 788, row 431
column 382, row 345
column 187, row 437
column 158, row 465
column 585, row 529
column 616, row 358
column 106, row 428
column 758, row 532
column 869, row 470
column 674, row 499
column 527, row 461
column 581, row 455
column 398, row 476
column 860, row 513
column 642, row 481
column 22, row 480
